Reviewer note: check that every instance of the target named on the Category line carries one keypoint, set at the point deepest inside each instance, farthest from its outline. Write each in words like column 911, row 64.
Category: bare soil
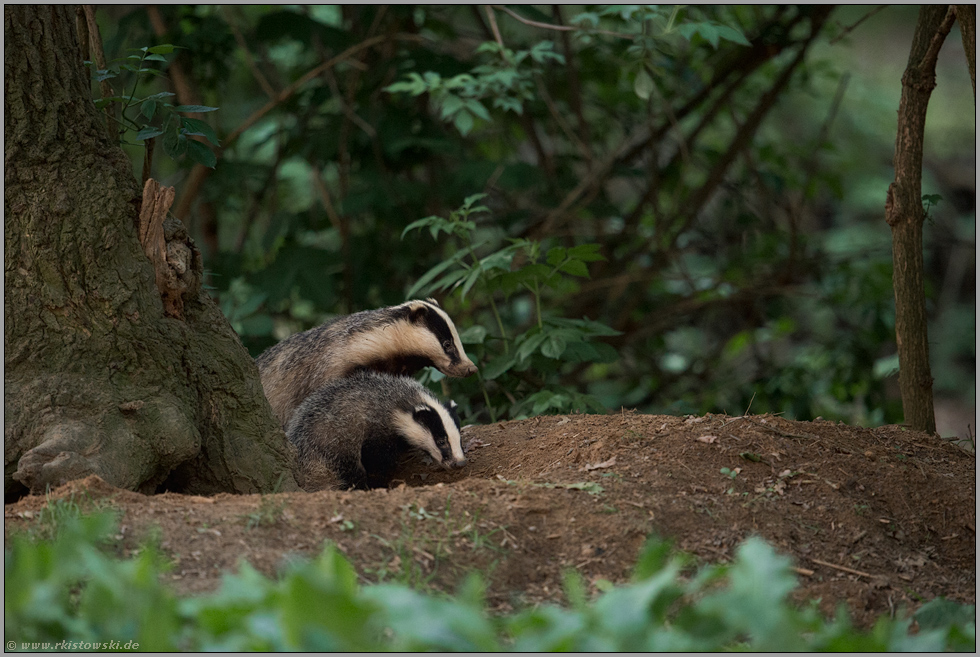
column 880, row 519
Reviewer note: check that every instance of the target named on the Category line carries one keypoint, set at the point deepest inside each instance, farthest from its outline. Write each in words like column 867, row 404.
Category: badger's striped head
column 433, row 428
column 411, row 336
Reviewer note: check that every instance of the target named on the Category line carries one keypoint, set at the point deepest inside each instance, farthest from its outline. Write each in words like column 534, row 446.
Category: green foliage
column 737, row 261
column 548, row 342
column 69, row 589
column 506, row 79
column 156, row 117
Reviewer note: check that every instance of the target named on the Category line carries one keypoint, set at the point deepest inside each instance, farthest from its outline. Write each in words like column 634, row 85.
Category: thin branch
column 200, row 172
column 289, row 91
column 574, row 87
column 559, row 119
column 249, row 60
column 493, row 26
column 636, row 143
column 848, row 30
column 342, row 225
column 697, row 200
column 560, row 28
column 841, row 568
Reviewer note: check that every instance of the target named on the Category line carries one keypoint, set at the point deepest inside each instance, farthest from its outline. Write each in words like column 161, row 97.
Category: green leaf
column 475, row 334
column 450, row 105
column 199, row 127
column 421, row 223
column 201, row 153
column 429, row 275
column 553, row 346
column 163, row 49
column 643, row 84
column 159, row 96
column 102, row 102
column 463, row 122
column 471, row 281
column 154, row 58
column 586, row 252
column 498, row 366
column 477, row 108
column 473, row 198
column 194, row 108
column 529, row 345
column 149, row 132
column 556, row 255
column 731, row 34
column 148, row 108
column 449, row 279
column 575, row 268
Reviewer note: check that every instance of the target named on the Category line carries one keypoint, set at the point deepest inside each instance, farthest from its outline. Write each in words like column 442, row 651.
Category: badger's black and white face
column 416, row 334
column 433, row 428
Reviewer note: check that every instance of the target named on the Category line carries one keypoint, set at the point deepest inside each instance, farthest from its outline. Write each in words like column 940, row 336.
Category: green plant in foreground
column 68, row 588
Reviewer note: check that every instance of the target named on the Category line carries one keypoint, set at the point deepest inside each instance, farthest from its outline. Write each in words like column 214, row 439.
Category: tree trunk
column 98, row 379
column 905, row 214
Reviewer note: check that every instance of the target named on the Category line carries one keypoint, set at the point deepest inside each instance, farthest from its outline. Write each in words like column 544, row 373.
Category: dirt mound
column 877, row 518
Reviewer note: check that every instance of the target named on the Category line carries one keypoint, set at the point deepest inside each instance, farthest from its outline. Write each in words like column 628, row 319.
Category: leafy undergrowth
column 70, row 588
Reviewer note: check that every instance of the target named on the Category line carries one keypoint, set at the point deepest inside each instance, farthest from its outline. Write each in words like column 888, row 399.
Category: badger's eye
column 447, row 345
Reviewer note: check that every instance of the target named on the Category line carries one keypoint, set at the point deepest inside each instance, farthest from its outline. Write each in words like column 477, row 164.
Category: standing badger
column 356, row 428
column 396, row 340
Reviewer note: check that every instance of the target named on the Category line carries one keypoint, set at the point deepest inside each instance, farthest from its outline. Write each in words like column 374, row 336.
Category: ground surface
column 877, row 518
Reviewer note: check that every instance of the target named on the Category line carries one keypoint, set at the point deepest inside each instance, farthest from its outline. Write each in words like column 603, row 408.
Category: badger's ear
column 433, row 302
column 418, row 314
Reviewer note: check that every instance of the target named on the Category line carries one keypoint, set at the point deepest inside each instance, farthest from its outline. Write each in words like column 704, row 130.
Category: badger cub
column 356, row 428
column 399, row 339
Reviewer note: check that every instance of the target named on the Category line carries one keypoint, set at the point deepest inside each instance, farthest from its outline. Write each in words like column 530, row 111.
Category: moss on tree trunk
column 97, row 378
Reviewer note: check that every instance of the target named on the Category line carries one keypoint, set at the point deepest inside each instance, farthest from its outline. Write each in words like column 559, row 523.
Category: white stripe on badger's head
column 428, row 316
column 421, row 334
column 430, row 428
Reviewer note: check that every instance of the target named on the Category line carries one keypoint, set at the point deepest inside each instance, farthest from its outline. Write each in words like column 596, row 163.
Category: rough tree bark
column 905, row 214
column 100, row 376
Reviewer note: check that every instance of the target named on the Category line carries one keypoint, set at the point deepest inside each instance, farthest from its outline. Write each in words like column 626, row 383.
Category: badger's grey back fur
column 398, row 339
column 355, row 429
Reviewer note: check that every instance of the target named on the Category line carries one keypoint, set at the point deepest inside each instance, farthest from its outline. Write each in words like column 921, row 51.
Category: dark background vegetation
column 736, row 193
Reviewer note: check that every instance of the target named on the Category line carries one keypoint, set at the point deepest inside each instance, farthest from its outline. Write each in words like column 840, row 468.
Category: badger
column 355, row 429
column 399, row 339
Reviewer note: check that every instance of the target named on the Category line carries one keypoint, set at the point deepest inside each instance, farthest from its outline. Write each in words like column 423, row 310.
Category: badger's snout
column 462, row 369
column 453, row 465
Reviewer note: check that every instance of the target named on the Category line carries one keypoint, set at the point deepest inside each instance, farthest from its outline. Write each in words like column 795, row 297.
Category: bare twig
column 249, row 60
column 492, row 18
column 200, row 172
column 841, row 568
column 743, row 137
column 848, row 30
column 560, row 28
column 559, row 119
column 574, row 87
column 288, row 92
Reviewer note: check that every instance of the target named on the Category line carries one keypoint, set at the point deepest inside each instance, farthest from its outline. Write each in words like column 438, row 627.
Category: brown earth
column 879, row 518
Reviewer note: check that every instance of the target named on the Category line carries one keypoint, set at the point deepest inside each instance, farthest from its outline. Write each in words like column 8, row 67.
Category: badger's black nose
column 459, row 464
